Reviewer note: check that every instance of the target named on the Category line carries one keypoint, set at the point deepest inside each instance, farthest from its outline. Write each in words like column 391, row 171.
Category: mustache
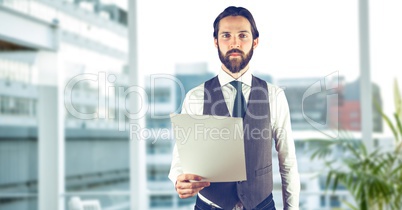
column 234, row 51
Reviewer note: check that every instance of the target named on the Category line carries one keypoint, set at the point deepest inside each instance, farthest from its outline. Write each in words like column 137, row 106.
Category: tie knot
column 236, row 84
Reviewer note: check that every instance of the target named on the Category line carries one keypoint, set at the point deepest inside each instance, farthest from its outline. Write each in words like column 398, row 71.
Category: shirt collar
column 225, row 78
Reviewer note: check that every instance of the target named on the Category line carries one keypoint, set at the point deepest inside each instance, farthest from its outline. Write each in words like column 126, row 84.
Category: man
column 262, row 106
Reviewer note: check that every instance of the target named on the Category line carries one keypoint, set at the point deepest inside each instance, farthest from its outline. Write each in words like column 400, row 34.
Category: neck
column 235, row 75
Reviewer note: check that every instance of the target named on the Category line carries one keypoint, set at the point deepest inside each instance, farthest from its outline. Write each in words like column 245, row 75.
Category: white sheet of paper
column 210, row 146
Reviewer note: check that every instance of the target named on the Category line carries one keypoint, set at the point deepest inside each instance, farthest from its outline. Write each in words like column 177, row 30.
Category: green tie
column 239, row 107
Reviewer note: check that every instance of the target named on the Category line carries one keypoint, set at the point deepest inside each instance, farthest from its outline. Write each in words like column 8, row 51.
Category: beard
column 235, row 64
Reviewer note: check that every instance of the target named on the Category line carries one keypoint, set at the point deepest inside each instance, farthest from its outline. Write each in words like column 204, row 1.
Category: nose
column 234, row 43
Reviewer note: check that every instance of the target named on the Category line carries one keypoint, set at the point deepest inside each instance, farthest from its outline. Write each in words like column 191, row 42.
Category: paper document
column 210, row 146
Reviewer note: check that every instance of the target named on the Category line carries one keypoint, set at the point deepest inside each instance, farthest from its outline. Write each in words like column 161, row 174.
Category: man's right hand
column 186, row 188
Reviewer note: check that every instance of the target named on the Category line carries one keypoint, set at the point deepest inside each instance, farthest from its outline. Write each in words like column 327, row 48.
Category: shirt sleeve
column 284, row 145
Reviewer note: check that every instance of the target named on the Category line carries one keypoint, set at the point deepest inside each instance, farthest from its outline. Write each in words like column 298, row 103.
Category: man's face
column 235, row 43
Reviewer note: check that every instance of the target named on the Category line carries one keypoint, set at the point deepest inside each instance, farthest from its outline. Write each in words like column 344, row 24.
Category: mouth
column 234, row 54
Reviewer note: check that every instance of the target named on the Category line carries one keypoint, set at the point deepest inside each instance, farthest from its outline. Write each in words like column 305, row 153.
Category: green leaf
column 398, row 107
column 397, row 98
column 398, row 124
column 373, row 179
column 386, row 118
column 350, row 205
column 390, row 125
column 397, row 170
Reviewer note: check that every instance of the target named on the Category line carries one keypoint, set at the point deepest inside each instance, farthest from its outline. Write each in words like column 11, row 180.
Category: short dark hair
column 236, row 11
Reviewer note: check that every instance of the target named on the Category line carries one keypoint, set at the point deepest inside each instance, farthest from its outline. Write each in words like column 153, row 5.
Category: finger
column 187, row 177
column 186, row 193
column 191, row 185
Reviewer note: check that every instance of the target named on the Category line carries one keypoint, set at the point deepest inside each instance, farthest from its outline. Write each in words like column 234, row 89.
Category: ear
column 255, row 43
column 216, row 43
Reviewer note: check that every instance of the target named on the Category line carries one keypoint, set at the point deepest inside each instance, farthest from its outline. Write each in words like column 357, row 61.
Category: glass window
column 161, row 201
column 302, row 54
column 298, row 54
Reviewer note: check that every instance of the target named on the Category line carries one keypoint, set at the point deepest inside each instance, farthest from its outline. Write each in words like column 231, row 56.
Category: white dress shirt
column 281, row 127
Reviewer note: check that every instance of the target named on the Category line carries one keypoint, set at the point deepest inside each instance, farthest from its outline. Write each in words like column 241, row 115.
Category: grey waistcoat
column 257, row 143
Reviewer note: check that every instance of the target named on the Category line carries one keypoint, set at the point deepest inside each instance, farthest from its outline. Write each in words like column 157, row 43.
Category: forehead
column 234, row 24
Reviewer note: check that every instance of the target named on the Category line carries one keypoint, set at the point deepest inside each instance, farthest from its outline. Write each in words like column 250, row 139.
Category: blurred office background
column 87, row 86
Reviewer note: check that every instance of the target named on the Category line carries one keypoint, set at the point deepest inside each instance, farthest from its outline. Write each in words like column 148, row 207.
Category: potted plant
column 374, row 179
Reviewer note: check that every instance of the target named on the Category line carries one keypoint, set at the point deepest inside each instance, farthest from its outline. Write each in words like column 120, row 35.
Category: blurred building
column 166, row 96
column 159, row 143
column 310, row 100
column 84, row 42
column 302, row 106
column 190, row 76
column 80, row 46
column 266, row 77
column 315, row 103
column 349, row 107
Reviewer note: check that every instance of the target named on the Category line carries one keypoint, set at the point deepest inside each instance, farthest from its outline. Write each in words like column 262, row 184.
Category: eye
column 243, row 36
column 225, row 35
